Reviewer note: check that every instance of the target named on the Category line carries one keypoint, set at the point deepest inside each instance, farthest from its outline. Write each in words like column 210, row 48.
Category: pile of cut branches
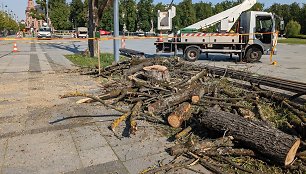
column 221, row 124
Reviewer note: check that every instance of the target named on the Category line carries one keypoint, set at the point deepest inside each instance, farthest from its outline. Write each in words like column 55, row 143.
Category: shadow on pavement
column 211, row 57
column 81, row 116
column 72, row 47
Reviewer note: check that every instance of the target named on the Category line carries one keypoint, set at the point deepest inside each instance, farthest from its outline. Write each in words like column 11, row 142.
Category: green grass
column 292, row 41
column 91, row 62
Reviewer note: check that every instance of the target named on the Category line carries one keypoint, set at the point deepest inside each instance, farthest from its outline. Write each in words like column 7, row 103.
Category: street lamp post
column 116, row 30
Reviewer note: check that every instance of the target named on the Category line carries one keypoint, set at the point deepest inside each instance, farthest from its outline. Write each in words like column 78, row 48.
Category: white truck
column 82, row 32
column 254, row 36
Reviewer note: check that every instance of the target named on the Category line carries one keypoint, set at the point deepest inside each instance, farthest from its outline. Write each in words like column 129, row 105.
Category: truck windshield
column 264, row 24
column 45, row 29
column 264, row 27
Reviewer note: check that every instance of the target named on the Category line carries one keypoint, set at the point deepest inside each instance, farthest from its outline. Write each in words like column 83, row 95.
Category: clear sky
column 18, row 6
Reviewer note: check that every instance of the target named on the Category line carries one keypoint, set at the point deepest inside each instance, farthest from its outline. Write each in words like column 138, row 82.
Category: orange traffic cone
column 15, row 49
column 160, row 38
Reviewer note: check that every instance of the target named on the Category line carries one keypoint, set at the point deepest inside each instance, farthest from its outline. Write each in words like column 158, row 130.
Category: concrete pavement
column 31, row 81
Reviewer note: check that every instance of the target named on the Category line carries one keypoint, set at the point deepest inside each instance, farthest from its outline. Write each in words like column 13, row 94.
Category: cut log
column 198, row 76
column 181, row 114
column 138, row 67
column 157, row 72
column 197, row 95
column 195, row 99
column 272, row 143
column 176, row 99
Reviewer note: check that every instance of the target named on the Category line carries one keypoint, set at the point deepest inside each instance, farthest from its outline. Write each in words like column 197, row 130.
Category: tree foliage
column 7, row 23
column 77, row 17
column 141, row 15
column 128, row 15
column 107, row 22
column 187, row 13
column 145, row 15
column 59, row 14
column 293, row 29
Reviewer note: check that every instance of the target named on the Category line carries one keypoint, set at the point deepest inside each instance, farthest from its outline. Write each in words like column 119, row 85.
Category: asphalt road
column 290, row 59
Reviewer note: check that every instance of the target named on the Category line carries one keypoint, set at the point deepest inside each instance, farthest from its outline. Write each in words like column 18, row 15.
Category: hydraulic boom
column 226, row 18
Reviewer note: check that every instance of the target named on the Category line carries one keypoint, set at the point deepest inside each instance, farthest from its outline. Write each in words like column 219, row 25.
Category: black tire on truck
column 192, row 53
column 253, row 55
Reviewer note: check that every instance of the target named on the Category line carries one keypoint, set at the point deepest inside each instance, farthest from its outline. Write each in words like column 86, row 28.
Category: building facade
column 30, row 22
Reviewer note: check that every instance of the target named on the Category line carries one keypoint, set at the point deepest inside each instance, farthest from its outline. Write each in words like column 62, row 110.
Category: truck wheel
column 192, row 54
column 253, row 55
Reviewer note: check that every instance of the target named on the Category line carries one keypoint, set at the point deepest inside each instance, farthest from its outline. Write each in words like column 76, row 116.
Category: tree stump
column 157, row 72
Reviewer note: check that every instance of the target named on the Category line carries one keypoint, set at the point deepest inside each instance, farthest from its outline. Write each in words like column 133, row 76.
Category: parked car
column 44, row 32
column 104, row 32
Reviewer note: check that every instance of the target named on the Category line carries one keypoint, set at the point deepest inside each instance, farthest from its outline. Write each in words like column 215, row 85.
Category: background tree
column 187, row 13
column 145, row 15
column 258, row 7
column 224, row 5
column 43, row 6
column 21, row 26
column 203, row 10
column 7, row 23
column 77, row 13
column 107, row 22
column 303, row 19
column 59, row 14
column 293, row 29
column 176, row 21
column 128, row 15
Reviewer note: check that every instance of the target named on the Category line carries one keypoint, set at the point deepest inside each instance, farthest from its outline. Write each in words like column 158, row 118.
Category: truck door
column 264, row 29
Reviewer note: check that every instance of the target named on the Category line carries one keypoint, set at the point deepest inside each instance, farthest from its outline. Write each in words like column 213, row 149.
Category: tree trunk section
column 272, row 143
column 181, row 114
column 157, row 72
column 176, row 99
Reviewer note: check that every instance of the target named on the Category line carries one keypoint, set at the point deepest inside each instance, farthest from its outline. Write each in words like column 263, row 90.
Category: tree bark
column 176, row 99
column 181, row 114
column 90, row 28
column 135, row 68
column 272, row 143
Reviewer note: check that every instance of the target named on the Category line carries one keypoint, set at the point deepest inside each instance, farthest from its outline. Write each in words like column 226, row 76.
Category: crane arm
column 227, row 18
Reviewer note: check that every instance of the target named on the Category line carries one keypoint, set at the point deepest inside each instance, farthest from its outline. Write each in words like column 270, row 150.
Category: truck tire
column 192, row 54
column 253, row 55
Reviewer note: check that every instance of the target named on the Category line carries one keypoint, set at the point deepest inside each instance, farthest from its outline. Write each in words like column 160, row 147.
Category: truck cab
column 258, row 31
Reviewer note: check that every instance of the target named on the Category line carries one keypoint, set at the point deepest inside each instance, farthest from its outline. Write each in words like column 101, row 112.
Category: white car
column 44, row 32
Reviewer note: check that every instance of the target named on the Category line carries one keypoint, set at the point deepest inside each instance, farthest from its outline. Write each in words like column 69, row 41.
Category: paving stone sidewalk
column 30, row 84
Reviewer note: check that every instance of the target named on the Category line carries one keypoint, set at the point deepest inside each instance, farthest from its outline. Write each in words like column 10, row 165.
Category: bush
column 293, row 29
